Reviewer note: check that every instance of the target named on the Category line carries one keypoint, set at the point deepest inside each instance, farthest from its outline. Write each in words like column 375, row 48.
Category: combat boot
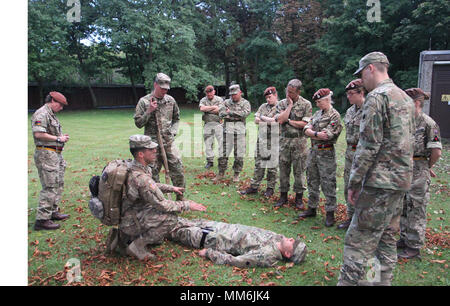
column 268, row 193
column 236, row 177
column 58, row 216
column 249, row 190
column 209, row 165
column 218, row 177
column 345, row 224
column 310, row 212
column 329, row 220
column 112, row 240
column 137, row 250
column 283, row 199
column 45, row 225
column 409, row 253
column 401, row 244
column 299, row 200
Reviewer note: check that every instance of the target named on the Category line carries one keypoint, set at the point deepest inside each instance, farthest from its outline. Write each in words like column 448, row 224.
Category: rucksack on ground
column 107, row 205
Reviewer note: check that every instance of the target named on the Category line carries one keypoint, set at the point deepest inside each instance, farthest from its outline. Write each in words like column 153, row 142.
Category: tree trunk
column 130, row 73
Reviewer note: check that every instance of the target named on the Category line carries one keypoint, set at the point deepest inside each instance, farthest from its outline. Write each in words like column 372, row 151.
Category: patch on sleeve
column 37, row 123
column 436, row 138
column 333, row 124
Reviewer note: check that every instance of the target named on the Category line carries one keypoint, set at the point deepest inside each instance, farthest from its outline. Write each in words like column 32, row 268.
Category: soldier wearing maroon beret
column 324, row 130
column 356, row 95
column 49, row 141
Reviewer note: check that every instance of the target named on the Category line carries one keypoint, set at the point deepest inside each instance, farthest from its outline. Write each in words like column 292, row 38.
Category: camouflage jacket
column 383, row 157
column 234, row 119
column 352, row 121
column 168, row 112
column 244, row 246
column 427, row 136
column 326, row 121
column 301, row 111
column 210, row 117
column 144, row 200
column 45, row 121
column 265, row 128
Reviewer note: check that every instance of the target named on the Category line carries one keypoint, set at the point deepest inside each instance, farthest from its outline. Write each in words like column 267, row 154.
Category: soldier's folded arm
column 240, row 261
column 334, row 128
column 141, row 117
column 370, row 141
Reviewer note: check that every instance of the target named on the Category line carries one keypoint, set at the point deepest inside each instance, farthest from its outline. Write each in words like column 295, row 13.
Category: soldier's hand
column 153, row 105
column 432, row 173
column 322, row 135
column 196, row 206
column 352, row 196
column 64, row 138
column 178, row 190
column 202, row 252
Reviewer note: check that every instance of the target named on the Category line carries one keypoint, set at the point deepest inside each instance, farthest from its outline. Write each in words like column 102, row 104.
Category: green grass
column 102, row 135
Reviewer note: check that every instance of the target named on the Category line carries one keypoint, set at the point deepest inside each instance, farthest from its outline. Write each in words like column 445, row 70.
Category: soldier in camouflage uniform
column 355, row 95
column 212, row 128
column 159, row 103
column 237, row 245
column 293, row 113
column 427, row 151
column 380, row 176
column 264, row 158
column 147, row 216
column 233, row 111
column 324, row 130
column 49, row 141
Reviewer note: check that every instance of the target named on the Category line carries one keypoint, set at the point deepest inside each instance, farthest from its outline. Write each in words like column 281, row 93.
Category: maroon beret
column 323, row 92
column 58, row 97
column 417, row 93
column 355, row 84
column 209, row 88
column 270, row 90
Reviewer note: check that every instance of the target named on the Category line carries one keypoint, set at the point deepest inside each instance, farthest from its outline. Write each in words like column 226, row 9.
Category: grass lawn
column 98, row 136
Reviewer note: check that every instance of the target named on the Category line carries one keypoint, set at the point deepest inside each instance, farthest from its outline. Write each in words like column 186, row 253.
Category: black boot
column 283, row 199
column 401, row 244
column 408, row 253
column 268, row 193
column 329, row 221
column 249, row 190
column 345, row 224
column 209, row 165
column 310, row 212
column 299, row 201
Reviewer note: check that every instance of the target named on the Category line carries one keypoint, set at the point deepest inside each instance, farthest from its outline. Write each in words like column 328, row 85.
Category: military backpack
column 106, row 205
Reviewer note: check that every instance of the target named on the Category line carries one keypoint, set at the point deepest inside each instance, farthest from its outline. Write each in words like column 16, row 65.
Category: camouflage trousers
column 261, row 164
column 51, row 167
column 349, row 153
column 293, row 153
column 147, row 225
column 190, row 233
column 176, row 170
column 232, row 142
column 413, row 222
column 212, row 130
column 321, row 172
column 370, row 239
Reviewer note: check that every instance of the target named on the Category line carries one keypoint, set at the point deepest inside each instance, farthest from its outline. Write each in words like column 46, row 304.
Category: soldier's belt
column 237, row 120
column 420, row 158
column 325, row 147
column 50, row 148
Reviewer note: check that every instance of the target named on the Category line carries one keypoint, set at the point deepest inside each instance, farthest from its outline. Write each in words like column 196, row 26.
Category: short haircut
column 382, row 67
column 295, row 83
column 48, row 98
column 135, row 151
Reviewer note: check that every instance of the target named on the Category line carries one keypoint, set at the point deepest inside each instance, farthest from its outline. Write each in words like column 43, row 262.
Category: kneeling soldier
column 147, row 216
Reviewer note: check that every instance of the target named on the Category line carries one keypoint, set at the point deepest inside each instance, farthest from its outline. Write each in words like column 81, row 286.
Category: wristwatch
column 315, row 134
column 58, row 139
column 289, row 121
